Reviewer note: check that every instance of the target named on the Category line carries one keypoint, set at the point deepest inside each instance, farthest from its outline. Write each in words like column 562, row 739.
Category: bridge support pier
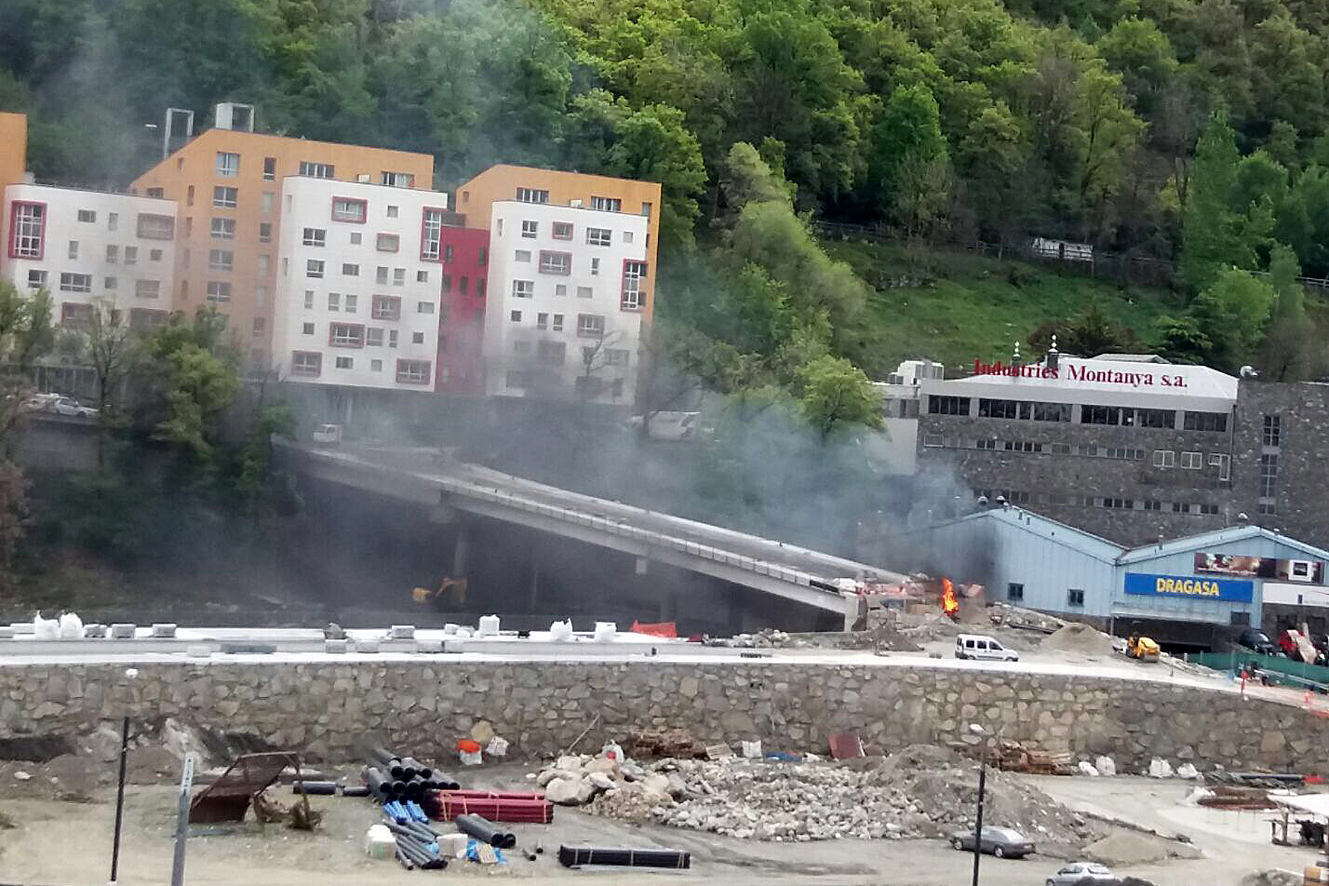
column 535, row 580
column 461, row 550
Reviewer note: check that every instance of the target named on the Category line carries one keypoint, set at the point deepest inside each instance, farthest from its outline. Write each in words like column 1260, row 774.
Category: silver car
column 1001, row 842
column 1081, row 872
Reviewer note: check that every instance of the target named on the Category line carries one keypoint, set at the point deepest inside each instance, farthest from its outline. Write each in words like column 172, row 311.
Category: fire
column 949, row 605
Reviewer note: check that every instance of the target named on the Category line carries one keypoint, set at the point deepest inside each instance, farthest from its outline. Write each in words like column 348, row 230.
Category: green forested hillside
column 1184, row 130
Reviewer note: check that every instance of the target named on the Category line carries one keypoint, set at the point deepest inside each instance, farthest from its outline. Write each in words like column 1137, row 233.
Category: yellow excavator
column 451, row 591
column 1141, row 648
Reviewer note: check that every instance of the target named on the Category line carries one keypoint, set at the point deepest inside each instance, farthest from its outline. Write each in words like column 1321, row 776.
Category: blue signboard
column 1146, row 585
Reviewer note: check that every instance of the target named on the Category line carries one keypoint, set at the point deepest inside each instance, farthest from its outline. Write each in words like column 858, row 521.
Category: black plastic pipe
column 378, row 755
column 420, row 769
column 315, row 788
column 396, row 769
column 377, row 782
column 404, row 859
column 445, row 782
column 483, row 829
column 351, row 790
column 571, row 856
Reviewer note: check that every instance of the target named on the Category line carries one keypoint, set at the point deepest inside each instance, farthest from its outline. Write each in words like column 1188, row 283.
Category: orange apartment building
column 475, row 199
column 227, row 183
column 13, row 148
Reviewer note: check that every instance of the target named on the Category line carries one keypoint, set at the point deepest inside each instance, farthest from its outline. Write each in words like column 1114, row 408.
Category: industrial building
column 1190, row 592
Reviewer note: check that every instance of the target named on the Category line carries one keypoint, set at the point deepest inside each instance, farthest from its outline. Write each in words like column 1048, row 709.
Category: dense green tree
column 1214, row 235
column 836, row 394
column 1290, row 339
column 1233, row 312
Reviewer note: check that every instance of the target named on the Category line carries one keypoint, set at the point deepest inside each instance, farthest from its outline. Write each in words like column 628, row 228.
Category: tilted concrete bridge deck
column 424, row 476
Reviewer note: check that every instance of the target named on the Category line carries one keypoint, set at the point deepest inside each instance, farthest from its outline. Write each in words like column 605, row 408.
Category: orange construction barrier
column 656, row 629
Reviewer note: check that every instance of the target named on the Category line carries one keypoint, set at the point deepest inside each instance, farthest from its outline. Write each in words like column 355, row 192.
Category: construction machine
column 1141, row 648
column 452, row 591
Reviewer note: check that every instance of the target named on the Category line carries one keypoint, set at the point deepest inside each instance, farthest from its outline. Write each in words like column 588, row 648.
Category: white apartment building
column 358, row 285
column 87, row 246
column 565, row 302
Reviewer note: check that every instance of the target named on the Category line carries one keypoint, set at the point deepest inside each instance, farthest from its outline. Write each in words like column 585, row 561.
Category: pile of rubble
column 764, row 639
column 921, row 791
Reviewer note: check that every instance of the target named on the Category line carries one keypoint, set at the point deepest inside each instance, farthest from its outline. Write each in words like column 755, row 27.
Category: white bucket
column 488, row 626
column 560, row 631
column 605, row 631
column 379, row 842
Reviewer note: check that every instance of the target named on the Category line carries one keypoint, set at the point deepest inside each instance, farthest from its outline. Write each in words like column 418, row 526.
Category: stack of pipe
column 574, row 856
column 528, row 807
column 484, row 831
column 391, row 776
column 417, row 845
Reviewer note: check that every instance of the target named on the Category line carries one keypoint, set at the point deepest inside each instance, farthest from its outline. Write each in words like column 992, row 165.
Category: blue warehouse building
column 1192, row 592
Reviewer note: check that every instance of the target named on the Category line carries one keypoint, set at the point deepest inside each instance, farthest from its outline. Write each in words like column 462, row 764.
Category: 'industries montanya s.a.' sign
column 1146, row 584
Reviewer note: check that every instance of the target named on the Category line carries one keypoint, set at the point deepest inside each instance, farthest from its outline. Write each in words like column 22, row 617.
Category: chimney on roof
column 1053, row 354
column 233, row 115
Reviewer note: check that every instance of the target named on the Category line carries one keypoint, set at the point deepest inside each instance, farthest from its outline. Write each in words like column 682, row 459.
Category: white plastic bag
column 471, row 758
column 1087, row 768
column 45, row 628
column 1105, row 766
column 611, row 751
column 560, row 631
column 1186, row 770
column 488, row 626
column 752, row 749
column 1160, row 768
column 71, row 626
column 605, row 631
column 497, row 747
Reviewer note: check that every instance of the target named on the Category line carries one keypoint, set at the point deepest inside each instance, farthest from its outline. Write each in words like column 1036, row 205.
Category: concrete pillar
column 461, row 550
column 535, row 579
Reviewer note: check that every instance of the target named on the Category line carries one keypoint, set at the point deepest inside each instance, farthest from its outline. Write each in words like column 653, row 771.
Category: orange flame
column 949, row 605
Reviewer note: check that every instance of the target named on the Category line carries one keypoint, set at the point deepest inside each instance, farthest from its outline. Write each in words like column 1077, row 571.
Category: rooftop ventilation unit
column 232, row 115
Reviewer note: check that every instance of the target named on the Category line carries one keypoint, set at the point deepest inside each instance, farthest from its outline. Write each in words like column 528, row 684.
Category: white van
column 977, row 646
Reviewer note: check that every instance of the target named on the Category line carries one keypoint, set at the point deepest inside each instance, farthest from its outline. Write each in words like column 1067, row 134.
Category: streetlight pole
column 130, row 674
column 982, row 785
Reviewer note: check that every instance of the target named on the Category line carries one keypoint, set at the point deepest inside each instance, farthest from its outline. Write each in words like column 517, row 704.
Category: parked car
column 669, row 425
column 328, row 435
column 39, row 402
column 983, row 648
column 1001, row 842
column 1255, row 640
column 1081, row 872
column 71, row 407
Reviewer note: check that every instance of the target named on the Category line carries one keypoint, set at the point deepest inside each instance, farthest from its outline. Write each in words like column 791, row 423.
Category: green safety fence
column 1299, row 672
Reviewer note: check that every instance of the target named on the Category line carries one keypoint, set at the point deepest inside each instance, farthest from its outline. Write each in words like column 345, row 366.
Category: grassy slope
column 971, row 306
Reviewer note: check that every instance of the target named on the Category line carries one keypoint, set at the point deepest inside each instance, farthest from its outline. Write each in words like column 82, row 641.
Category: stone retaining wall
column 540, row 707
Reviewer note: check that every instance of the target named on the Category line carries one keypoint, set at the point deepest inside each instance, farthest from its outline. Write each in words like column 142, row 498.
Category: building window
column 112, row 254
column 523, row 288
column 1268, row 468
column 1075, row 598
column 561, row 230
column 413, row 372
column 76, row 283
column 646, row 209
column 551, row 353
column 374, row 337
column 532, row 195
column 1223, row 462
column 514, row 316
column 943, row 405
column 156, row 192
column 542, row 320
column 73, row 249
column 1153, row 504
column 616, row 356
column 334, row 301
column 315, row 237
column 307, row 328
column 387, row 242
column 480, row 287
column 447, row 253
column 398, row 276
column 1205, row 421
column 375, row 365
column 397, row 179
column 110, row 283
column 223, row 229
column 228, row 164
column 1192, row 461
column 634, row 297
column 381, row 275
column 392, row 211
column 591, row 325
column 265, row 232
column 131, row 255
column 154, row 255
column 148, row 288
column 598, row 236
column 417, row 338
column 189, row 195
column 219, row 291
column 349, row 209
column 316, row 170
column 87, row 215
column 447, row 283
column 1155, row 418
column 313, row 268
column 431, row 233
column 28, row 223
column 75, row 316
column 269, row 169
column 36, row 279
column 220, row 259
column 346, row 335
column 309, row 299
column 627, row 236
column 146, row 318
column 421, row 276
column 112, row 221
column 464, row 284
column 345, row 362
column 1165, row 458
column 482, row 256
column 607, row 204
column 933, row 440
column 1106, row 415
column 555, row 263
column 349, row 303
column 522, row 255
column 385, row 307
column 1014, row 591
column 226, row 198
column 259, row 325
column 308, row 364
column 350, row 270
column 1273, row 430
column 529, row 229
column 558, row 323
column 424, row 307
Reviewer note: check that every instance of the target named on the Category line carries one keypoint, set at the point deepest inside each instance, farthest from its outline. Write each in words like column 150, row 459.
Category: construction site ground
column 1229, row 844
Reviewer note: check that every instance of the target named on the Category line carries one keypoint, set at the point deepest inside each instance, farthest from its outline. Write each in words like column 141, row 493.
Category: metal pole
column 182, row 822
column 978, row 820
column 120, row 800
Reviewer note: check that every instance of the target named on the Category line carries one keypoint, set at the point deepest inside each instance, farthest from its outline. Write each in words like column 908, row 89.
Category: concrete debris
column 922, row 791
column 1159, row 768
column 1019, row 617
column 22, row 775
column 1105, row 766
column 1080, row 638
column 765, row 639
column 672, row 743
column 1186, row 770
column 1272, row 877
column 1087, row 768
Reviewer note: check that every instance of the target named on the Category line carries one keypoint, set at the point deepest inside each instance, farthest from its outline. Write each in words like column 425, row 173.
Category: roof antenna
column 1053, row 354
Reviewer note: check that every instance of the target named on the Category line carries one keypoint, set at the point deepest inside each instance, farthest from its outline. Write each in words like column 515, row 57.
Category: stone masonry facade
column 324, row 708
column 1299, row 447
column 1070, row 487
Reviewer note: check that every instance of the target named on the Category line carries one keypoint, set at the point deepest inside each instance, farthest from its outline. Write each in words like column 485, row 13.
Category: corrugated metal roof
column 1043, row 527
column 1217, row 536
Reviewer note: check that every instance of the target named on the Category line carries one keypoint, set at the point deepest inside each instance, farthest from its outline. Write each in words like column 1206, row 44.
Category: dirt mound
column 1128, row 848
column 1079, row 638
column 919, row 756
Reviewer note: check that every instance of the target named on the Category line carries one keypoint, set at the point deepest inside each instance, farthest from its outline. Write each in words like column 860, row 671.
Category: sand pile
column 1079, row 638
